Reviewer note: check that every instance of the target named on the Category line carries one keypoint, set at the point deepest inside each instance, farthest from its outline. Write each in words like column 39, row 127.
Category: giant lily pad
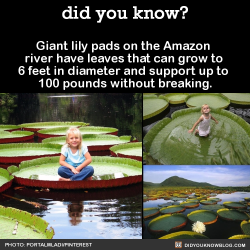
column 169, row 142
column 9, row 127
column 213, row 207
column 47, row 125
column 231, row 204
column 153, row 106
column 205, row 216
column 208, row 202
column 189, row 204
column 167, row 223
column 232, row 214
column 5, row 179
column 245, row 227
column 176, row 98
column 150, row 212
column 238, row 98
column 239, row 236
column 128, row 150
column 184, row 235
column 54, row 132
column 109, row 172
column 15, row 136
column 172, row 209
column 28, row 226
column 17, row 152
column 212, row 99
column 93, row 142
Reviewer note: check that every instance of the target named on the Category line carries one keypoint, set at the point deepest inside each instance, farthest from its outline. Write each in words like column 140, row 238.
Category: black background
column 221, row 24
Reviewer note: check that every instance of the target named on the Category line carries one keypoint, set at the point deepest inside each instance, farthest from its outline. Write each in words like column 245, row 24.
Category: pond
column 111, row 213
column 221, row 229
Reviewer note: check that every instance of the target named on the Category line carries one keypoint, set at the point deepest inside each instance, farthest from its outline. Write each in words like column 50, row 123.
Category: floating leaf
column 184, row 235
column 167, row 223
column 205, row 216
column 238, row 98
column 29, row 226
column 153, row 106
column 176, row 98
column 128, row 150
column 169, row 142
column 212, row 99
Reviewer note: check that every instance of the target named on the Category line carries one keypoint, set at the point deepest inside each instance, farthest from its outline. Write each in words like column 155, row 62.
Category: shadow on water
column 83, row 214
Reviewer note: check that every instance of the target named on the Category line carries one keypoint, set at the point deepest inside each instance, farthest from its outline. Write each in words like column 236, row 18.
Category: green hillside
column 176, row 181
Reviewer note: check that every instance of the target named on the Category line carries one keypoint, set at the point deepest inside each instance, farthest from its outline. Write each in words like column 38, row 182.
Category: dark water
column 112, row 213
column 221, row 229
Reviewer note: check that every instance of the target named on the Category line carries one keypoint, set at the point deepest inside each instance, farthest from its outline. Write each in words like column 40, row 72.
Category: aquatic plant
column 169, row 142
column 198, row 227
column 212, row 99
column 184, row 235
column 153, row 105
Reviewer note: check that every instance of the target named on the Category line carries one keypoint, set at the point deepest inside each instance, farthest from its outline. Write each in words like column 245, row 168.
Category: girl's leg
column 196, row 132
column 65, row 172
column 84, row 174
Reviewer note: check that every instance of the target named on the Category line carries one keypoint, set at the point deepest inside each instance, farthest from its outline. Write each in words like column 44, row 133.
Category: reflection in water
column 75, row 210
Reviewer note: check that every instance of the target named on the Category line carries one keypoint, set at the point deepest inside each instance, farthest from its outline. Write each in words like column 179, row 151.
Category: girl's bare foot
column 63, row 179
column 196, row 132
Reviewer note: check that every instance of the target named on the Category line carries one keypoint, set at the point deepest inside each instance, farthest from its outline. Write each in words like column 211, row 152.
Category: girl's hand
column 190, row 131
column 216, row 122
column 74, row 171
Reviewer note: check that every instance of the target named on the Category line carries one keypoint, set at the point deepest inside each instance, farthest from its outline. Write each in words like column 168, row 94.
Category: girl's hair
column 77, row 132
column 203, row 106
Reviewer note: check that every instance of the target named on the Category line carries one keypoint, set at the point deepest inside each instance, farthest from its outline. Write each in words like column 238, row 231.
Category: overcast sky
column 229, row 175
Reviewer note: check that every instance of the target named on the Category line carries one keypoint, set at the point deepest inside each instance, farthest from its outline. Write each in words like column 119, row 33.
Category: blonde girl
column 204, row 122
column 75, row 158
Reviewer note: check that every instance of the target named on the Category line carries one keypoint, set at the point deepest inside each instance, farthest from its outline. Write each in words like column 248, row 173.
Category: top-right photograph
column 196, row 128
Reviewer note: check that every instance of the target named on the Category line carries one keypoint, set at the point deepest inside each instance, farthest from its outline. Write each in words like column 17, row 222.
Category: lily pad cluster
column 167, row 219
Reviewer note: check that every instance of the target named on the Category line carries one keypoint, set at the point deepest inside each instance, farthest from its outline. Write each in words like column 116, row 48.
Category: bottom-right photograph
column 196, row 202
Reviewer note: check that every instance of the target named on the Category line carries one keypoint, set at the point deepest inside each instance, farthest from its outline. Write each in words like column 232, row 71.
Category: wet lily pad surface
column 15, row 136
column 9, row 127
column 176, row 98
column 169, row 142
column 17, row 152
column 213, row 100
column 204, row 216
column 5, row 179
column 245, row 227
column 27, row 226
column 21, row 149
column 230, row 204
column 128, row 149
column 167, row 223
column 153, row 106
column 238, row 98
column 149, row 212
column 45, row 133
column 172, row 209
column 232, row 214
column 97, row 142
column 47, row 125
column 184, row 235
column 117, row 171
